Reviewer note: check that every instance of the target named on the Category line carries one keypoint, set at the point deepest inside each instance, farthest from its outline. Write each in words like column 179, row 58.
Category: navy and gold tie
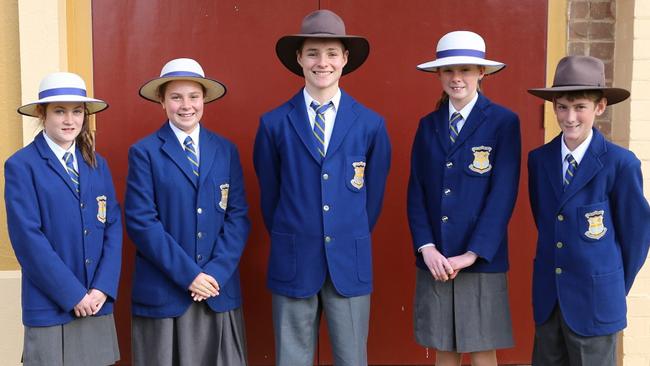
column 570, row 170
column 319, row 125
column 69, row 167
column 453, row 126
column 190, row 151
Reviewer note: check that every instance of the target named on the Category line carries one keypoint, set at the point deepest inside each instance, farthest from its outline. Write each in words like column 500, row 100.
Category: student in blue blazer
column 593, row 223
column 65, row 227
column 465, row 165
column 186, row 213
column 321, row 160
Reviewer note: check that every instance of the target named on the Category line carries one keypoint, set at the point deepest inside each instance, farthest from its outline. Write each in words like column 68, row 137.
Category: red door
column 235, row 43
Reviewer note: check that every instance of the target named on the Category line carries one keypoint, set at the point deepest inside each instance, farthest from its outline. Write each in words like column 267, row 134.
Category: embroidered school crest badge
column 597, row 228
column 359, row 168
column 481, row 163
column 101, row 209
column 223, row 203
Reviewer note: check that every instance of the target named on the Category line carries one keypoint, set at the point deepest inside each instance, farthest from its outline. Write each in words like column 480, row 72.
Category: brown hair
column 593, row 95
column 85, row 140
column 160, row 91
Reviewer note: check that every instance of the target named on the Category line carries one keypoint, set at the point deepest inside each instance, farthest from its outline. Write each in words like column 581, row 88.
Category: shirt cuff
column 424, row 246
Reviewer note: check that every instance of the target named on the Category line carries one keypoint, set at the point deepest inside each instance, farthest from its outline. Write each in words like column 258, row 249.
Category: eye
column 78, row 111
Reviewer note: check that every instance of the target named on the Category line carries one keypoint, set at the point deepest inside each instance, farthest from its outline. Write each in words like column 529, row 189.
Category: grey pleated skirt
column 90, row 341
column 198, row 337
column 468, row 314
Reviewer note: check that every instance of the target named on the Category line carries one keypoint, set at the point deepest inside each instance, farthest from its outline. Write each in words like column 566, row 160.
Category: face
column 576, row 118
column 63, row 121
column 460, row 83
column 322, row 62
column 183, row 103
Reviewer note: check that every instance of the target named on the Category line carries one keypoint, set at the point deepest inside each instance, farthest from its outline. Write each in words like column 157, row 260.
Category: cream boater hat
column 183, row 69
column 62, row 87
column 461, row 48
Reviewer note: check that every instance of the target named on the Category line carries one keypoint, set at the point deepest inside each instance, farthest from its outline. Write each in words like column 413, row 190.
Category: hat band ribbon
column 62, row 91
column 460, row 52
column 182, row 73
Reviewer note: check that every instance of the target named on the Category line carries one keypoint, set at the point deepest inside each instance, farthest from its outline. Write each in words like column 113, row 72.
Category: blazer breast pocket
column 354, row 172
column 594, row 222
column 478, row 157
column 222, row 187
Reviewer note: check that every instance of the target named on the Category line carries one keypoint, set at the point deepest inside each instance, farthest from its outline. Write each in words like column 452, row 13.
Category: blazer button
column 88, row 261
column 447, row 191
column 328, row 239
column 326, row 208
column 199, row 210
column 199, row 235
column 444, row 219
column 559, row 244
column 326, row 176
column 199, row 257
column 86, row 231
column 558, row 271
column 449, row 164
column 560, row 217
column 82, row 205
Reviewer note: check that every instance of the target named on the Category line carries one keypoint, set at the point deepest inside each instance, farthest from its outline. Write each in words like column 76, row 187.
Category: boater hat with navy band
column 62, row 87
column 183, row 69
column 461, row 48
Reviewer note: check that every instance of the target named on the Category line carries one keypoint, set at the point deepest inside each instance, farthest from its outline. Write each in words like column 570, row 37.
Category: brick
column 578, row 30
column 640, row 131
column 602, row 50
column 641, row 49
column 601, row 31
column 577, row 48
column 602, row 11
column 642, row 28
column 637, row 327
column 579, row 10
column 639, row 110
column 641, row 287
column 641, row 149
column 641, row 69
column 640, row 90
column 636, row 345
column 605, row 127
column 609, row 71
column 636, row 360
column 641, row 8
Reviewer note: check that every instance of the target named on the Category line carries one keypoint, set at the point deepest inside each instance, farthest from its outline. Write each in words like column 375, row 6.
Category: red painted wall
column 235, row 43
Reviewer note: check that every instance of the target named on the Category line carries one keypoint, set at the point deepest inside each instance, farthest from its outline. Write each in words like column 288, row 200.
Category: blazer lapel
column 345, row 118
column 53, row 162
column 209, row 148
column 299, row 119
column 441, row 126
column 553, row 166
column 588, row 167
column 84, row 173
column 172, row 148
column 476, row 117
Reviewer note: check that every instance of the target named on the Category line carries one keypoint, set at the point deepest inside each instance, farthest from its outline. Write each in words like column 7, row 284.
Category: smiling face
column 460, row 82
column 63, row 121
column 322, row 61
column 576, row 117
column 183, row 102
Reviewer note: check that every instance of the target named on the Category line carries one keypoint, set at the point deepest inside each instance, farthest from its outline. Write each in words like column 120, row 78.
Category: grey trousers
column 296, row 323
column 557, row 345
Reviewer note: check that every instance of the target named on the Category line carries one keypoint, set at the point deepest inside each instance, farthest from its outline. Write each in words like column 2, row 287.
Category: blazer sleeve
column 631, row 216
column 377, row 167
column 146, row 230
column 38, row 260
column 107, row 274
column 492, row 224
column 232, row 238
column 267, row 167
column 418, row 216
column 532, row 185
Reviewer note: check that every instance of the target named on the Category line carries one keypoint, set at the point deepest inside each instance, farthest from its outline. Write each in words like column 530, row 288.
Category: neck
column 322, row 95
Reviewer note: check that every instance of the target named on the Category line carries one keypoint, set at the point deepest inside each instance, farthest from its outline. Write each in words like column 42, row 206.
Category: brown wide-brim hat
column 580, row 73
column 322, row 24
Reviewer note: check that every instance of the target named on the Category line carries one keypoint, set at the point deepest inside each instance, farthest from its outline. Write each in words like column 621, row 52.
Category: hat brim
column 613, row 95
column 491, row 67
column 92, row 105
column 286, row 47
column 213, row 88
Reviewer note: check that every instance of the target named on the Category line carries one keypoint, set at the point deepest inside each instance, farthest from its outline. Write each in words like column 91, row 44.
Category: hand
column 462, row 261
column 204, row 286
column 437, row 263
column 197, row 298
column 85, row 307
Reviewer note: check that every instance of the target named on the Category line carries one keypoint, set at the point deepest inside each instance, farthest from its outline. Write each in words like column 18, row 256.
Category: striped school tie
column 570, row 170
column 191, row 155
column 453, row 126
column 319, row 125
column 69, row 167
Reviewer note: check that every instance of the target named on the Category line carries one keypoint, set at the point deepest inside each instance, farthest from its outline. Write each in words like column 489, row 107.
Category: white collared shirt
column 464, row 112
column 330, row 114
column 578, row 153
column 59, row 152
column 182, row 135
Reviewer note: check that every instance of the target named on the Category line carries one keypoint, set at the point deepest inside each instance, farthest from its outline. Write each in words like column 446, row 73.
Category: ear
column 346, row 53
column 298, row 54
column 600, row 106
column 481, row 72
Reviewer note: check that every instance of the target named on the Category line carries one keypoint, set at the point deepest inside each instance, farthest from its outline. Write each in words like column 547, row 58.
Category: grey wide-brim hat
column 63, row 87
column 183, row 69
column 461, row 48
column 578, row 73
column 322, row 24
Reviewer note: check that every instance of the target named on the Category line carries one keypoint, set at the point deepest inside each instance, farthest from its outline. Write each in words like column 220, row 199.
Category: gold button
column 559, row 244
column 449, row 164
column 199, row 210
column 326, row 208
column 447, row 191
column 560, row 217
column 199, row 235
column 328, row 239
column 326, row 176
column 558, row 270
column 444, row 219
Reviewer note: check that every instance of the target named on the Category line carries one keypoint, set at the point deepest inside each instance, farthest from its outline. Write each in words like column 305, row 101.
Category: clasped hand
column 442, row 268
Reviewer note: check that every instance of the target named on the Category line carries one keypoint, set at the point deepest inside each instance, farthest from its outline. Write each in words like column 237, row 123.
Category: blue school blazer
column 181, row 229
column 592, row 238
column 66, row 242
column 461, row 196
column 320, row 213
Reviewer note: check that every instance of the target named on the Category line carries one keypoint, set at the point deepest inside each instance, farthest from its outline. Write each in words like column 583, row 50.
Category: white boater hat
column 461, row 48
column 62, row 87
column 183, row 69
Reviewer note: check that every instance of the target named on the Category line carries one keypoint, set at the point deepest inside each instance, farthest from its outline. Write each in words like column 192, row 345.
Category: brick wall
column 591, row 32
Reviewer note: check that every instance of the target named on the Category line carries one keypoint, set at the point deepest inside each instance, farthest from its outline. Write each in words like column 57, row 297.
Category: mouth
column 571, row 127
column 457, row 89
column 186, row 115
column 322, row 73
column 68, row 129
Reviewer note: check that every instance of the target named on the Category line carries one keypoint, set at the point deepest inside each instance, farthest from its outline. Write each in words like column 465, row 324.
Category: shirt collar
column 336, row 99
column 181, row 135
column 58, row 150
column 465, row 110
column 579, row 151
